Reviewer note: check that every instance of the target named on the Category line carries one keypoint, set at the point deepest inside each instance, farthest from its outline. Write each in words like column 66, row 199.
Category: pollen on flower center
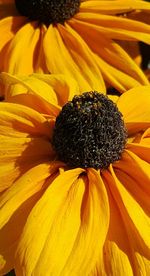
column 89, row 132
column 48, row 11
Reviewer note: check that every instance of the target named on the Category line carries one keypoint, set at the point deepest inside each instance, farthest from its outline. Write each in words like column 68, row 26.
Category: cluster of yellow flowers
column 75, row 137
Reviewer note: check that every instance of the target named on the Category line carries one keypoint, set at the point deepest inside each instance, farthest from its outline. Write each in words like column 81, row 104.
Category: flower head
column 76, row 38
column 89, row 132
column 71, row 221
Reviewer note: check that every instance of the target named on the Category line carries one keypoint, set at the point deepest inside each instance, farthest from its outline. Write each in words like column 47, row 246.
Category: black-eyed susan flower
column 77, row 213
column 73, row 37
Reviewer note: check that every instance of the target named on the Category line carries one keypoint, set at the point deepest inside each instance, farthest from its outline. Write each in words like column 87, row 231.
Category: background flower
column 83, row 47
column 71, row 221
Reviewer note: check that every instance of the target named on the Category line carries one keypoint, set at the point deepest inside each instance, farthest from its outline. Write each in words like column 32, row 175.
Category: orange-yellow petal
column 116, row 27
column 126, row 238
column 134, row 172
column 117, row 67
column 69, row 222
column 113, row 7
column 56, row 89
column 142, row 147
column 16, row 204
column 135, row 107
column 72, row 62
column 25, row 141
column 64, row 87
column 19, row 55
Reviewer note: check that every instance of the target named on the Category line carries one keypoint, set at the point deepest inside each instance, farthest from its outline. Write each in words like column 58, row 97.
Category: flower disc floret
column 89, row 132
column 48, row 11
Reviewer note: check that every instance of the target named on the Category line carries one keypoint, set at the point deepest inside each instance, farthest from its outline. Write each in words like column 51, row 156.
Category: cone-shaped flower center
column 89, row 132
column 48, row 11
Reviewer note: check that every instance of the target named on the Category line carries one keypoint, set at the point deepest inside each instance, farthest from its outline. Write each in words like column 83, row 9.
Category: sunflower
column 65, row 208
column 73, row 37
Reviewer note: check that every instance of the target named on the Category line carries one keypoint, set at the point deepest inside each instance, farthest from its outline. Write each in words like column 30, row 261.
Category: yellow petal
column 143, row 151
column 18, row 154
column 9, row 238
column 118, row 250
column 72, row 62
column 30, row 84
column 20, row 121
column 141, row 147
column 37, row 103
column 134, row 207
column 16, row 204
column 91, row 72
column 65, row 87
column 113, row 7
column 144, row 264
column 116, row 27
column 21, row 50
column 25, row 141
column 145, row 139
column 134, row 105
column 117, row 67
column 117, row 262
column 129, row 228
column 25, row 187
column 64, row 243
column 51, row 213
column 38, row 57
column 6, row 30
column 7, row 33
column 133, row 172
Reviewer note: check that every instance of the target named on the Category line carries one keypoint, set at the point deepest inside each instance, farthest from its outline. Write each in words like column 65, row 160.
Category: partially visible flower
column 57, row 220
column 77, row 38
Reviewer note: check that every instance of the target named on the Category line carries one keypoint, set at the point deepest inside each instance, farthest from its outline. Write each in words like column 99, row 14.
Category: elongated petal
column 142, row 147
column 26, row 39
column 134, row 105
column 53, row 207
column 116, row 27
column 137, row 214
column 7, row 33
column 72, row 39
column 137, row 184
column 113, row 7
column 31, row 85
column 56, row 89
column 145, row 139
column 20, row 121
column 6, row 30
column 141, row 150
column 9, row 239
column 118, row 252
column 117, row 67
column 96, row 214
column 128, row 231
column 27, row 185
column 25, row 138
column 64, row 87
column 16, row 204
column 69, row 222
column 74, row 63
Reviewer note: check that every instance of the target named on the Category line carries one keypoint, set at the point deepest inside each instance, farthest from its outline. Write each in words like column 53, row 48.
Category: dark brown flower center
column 89, row 132
column 48, row 11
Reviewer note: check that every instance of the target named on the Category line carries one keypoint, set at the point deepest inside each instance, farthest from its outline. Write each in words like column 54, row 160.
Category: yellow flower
column 79, row 41
column 57, row 220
